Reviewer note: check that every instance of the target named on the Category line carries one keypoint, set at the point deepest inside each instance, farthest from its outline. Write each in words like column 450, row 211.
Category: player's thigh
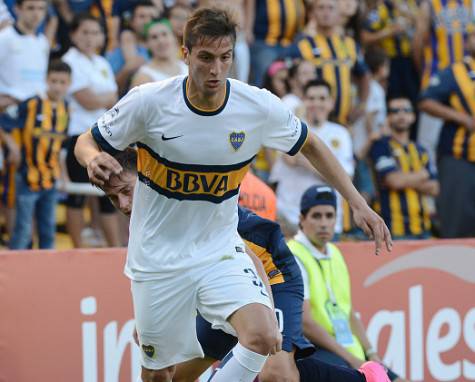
column 165, row 320
column 189, row 371
column 233, row 298
column 280, row 367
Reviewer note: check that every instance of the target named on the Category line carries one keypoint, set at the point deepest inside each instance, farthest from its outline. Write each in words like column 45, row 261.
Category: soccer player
column 196, row 137
column 277, row 266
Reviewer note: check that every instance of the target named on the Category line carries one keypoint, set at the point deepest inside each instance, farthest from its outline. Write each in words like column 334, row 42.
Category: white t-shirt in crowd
column 376, row 103
column 294, row 180
column 190, row 166
column 158, row 75
column 23, row 63
column 94, row 74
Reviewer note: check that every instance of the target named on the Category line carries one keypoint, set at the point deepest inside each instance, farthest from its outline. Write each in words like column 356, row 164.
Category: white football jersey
column 190, row 166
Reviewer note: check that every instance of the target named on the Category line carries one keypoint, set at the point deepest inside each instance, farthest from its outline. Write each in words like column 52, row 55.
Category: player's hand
column 278, row 346
column 375, row 357
column 373, row 226
column 101, row 167
column 468, row 122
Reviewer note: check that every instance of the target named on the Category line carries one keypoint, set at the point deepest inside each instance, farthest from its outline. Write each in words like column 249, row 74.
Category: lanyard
column 327, row 283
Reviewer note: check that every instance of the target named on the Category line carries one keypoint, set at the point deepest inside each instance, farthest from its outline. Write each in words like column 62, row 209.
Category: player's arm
column 327, row 165
column 320, row 337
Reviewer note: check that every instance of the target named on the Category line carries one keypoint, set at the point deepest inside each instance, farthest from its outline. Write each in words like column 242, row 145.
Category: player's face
column 209, row 64
column 161, row 41
column 31, row 13
column 318, row 104
column 120, row 191
column 319, row 224
column 87, row 37
column 400, row 114
column 58, row 84
column 305, row 72
column 326, row 13
column 142, row 16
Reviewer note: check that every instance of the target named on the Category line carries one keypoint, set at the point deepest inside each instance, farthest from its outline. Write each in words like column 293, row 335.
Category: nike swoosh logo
column 164, row 138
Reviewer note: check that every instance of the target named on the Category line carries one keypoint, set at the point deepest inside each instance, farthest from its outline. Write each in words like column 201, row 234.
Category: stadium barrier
column 67, row 316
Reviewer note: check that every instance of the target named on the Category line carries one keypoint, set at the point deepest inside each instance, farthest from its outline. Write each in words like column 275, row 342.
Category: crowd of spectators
column 388, row 85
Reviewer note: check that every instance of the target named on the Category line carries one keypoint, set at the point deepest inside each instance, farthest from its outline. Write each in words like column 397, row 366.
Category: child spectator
column 42, row 125
column 299, row 74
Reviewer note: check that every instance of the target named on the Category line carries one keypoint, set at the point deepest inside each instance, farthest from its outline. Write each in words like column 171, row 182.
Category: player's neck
column 23, row 28
column 401, row 136
column 204, row 101
column 326, row 31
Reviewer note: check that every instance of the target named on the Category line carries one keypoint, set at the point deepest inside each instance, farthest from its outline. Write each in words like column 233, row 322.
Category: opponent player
column 197, row 135
column 277, row 265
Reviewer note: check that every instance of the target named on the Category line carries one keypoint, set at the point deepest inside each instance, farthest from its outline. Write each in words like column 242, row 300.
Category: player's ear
column 186, row 54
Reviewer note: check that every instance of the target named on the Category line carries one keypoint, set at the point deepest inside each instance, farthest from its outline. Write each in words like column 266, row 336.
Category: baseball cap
column 318, row 196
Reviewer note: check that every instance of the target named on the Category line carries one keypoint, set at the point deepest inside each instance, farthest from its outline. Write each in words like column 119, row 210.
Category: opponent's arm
column 327, row 165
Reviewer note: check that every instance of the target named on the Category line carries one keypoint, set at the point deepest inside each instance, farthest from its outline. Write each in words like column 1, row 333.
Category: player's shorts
column 288, row 301
column 165, row 309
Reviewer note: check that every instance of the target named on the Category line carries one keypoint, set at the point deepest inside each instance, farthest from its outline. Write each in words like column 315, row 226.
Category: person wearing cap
column 329, row 320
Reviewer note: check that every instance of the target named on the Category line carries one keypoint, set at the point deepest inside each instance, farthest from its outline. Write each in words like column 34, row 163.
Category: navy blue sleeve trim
column 303, row 137
column 101, row 142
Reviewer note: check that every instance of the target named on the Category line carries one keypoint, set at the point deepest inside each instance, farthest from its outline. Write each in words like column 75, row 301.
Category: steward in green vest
column 329, row 321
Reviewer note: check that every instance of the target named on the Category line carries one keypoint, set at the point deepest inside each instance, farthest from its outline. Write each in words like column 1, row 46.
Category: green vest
column 336, row 273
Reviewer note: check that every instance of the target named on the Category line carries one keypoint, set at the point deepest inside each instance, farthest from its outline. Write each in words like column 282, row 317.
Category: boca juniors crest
column 236, row 139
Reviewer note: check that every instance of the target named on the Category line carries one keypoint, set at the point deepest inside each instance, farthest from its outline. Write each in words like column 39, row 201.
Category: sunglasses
column 395, row 110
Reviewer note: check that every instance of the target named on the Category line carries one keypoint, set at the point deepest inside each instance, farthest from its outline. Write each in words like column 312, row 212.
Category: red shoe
column 374, row 372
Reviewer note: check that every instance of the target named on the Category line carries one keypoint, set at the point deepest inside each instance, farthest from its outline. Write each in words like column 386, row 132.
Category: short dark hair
column 375, row 58
column 127, row 159
column 212, row 23
column 318, row 82
column 59, row 66
column 79, row 18
column 398, row 96
column 141, row 3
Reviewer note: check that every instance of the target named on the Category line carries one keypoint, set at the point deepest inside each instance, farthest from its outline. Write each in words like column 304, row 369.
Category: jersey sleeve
column 122, row 125
column 382, row 158
column 440, row 87
column 283, row 131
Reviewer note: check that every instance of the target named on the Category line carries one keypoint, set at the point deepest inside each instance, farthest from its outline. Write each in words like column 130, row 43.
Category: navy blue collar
column 205, row 113
column 21, row 33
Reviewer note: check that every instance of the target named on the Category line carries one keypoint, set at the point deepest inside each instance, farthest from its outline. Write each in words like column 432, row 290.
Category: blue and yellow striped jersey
column 266, row 240
column 42, row 130
column 382, row 17
column 448, row 33
column 405, row 211
column 278, row 21
column 336, row 58
column 455, row 87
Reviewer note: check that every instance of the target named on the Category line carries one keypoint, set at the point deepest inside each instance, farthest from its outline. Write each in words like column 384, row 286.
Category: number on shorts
column 256, row 281
column 280, row 319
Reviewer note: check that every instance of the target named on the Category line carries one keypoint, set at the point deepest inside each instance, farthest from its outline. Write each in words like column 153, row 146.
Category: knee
column 276, row 375
column 162, row 375
column 260, row 339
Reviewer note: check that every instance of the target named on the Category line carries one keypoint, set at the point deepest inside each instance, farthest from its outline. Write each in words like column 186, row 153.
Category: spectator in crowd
column 299, row 74
column 336, row 58
column 390, row 26
column 294, row 175
column 372, row 125
column 450, row 97
column 23, row 65
column 5, row 17
column 178, row 14
column 405, row 175
column 329, row 318
column 43, row 121
column 93, row 90
column 121, row 15
column 270, row 27
column 258, row 197
column 351, row 12
column 163, row 47
column 439, row 41
column 132, row 52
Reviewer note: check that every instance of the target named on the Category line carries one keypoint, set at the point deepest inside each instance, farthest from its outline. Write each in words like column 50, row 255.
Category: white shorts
column 165, row 309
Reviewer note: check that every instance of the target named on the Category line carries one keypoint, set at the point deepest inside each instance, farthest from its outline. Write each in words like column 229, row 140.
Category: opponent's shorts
column 165, row 309
column 288, row 301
